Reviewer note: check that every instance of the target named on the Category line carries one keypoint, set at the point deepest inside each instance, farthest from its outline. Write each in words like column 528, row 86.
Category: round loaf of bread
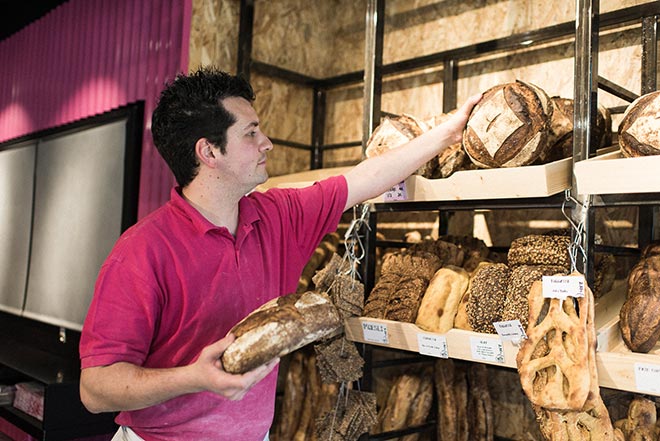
column 279, row 327
column 393, row 132
column 639, row 129
column 509, row 127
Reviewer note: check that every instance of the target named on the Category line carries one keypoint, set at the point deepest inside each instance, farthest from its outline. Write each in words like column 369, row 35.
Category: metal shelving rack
column 585, row 29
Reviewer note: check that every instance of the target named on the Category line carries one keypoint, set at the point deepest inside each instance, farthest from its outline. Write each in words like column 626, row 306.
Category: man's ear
column 205, row 152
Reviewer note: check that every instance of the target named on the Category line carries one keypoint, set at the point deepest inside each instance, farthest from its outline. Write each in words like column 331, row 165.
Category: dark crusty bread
column 640, row 313
column 279, row 327
column 486, row 296
column 509, row 127
column 639, row 128
column 540, row 249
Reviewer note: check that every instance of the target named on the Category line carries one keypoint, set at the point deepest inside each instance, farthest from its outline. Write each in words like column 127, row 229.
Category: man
column 177, row 281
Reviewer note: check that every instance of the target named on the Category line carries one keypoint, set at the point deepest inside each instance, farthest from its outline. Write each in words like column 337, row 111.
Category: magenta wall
column 90, row 56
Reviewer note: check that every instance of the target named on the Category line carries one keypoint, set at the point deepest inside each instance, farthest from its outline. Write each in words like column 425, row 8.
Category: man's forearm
column 124, row 386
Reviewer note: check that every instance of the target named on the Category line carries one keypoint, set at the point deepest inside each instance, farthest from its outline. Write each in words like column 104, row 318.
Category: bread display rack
column 618, row 367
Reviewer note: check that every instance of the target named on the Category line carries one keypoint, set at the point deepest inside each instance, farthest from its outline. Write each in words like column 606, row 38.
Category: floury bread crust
column 639, row 130
column 279, row 327
column 509, row 127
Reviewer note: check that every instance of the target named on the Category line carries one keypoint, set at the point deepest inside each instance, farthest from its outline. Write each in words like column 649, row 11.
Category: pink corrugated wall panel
column 90, row 56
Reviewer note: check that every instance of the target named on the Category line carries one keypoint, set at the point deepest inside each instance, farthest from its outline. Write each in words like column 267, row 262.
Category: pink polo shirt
column 175, row 283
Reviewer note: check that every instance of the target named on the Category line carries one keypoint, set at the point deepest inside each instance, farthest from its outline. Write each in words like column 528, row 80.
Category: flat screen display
column 76, row 220
column 16, row 187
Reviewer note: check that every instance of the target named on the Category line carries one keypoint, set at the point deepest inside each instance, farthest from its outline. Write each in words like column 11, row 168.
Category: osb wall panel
column 319, row 39
column 214, row 34
column 284, row 113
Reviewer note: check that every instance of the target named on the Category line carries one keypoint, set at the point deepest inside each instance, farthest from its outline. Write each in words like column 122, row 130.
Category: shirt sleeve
column 317, row 210
column 121, row 319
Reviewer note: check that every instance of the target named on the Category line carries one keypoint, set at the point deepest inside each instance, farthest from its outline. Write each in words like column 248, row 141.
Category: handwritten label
column 396, row 193
column 510, row 330
column 560, row 287
column 487, row 349
column 647, row 377
column 375, row 332
column 432, row 344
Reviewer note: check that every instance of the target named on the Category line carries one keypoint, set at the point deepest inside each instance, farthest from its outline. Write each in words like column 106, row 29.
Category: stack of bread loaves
column 424, row 283
column 498, row 292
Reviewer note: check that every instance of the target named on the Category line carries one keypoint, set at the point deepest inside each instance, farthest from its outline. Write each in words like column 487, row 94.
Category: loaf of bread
column 509, row 127
column 540, row 249
column 279, row 327
column 641, row 421
column 516, row 304
column 487, row 293
column 480, row 405
column 640, row 313
column 556, row 362
column 392, row 133
column 639, row 129
column 441, row 299
column 561, row 129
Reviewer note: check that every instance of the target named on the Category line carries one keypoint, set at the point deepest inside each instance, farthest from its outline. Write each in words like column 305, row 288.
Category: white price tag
column 375, row 332
column 560, row 287
column 647, row 377
column 396, row 193
column 432, row 344
column 511, row 330
column 487, row 349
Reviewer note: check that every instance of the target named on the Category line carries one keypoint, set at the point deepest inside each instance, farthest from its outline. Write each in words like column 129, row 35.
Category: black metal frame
column 585, row 30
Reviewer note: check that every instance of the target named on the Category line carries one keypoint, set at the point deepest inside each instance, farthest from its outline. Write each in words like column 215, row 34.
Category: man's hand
column 457, row 122
column 126, row 386
column 233, row 387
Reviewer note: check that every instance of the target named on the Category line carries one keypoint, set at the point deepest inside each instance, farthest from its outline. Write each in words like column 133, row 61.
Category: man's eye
column 252, row 134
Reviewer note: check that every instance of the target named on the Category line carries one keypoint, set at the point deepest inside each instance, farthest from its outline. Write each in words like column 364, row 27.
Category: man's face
column 245, row 158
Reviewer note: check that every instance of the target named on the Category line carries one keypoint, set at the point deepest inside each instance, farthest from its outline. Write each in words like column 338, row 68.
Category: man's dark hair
column 190, row 108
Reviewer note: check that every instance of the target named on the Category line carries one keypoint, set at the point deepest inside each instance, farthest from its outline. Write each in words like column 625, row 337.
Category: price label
column 510, row 330
column 396, row 193
column 375, row 332
column 560, row 287
column 647, row 377
column 432, row 344
column 487, row 349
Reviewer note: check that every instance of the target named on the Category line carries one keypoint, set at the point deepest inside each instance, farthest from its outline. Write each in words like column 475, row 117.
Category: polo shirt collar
column 247, row 213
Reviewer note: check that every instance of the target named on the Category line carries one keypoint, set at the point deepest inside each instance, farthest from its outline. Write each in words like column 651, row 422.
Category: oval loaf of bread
column 279, row 327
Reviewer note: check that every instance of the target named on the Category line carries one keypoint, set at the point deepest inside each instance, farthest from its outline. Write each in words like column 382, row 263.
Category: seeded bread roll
column 509, row 127
column 279, row 327
column 639, row 129
column 516, row 304
column 486, row 296
column 537, row 249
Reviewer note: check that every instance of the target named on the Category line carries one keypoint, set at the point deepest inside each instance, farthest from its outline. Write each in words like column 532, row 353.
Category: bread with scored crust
column 279, row 327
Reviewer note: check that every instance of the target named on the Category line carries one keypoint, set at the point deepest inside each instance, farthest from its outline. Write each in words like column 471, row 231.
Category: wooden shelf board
column 611, row 173
column 614, row 361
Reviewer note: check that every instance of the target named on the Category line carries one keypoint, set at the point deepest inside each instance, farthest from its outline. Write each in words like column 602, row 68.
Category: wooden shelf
column 496, row 183
column 616, row 364
column 611, row 173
